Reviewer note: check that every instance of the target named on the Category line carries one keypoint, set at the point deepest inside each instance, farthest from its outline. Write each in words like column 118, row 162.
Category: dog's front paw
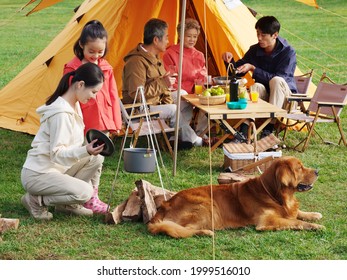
column 317, row 227
column 309, row 216
column 315, row 216
column 206, row 232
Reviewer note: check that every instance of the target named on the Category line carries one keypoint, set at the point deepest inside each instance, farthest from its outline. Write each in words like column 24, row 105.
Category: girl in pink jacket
column 102, row 113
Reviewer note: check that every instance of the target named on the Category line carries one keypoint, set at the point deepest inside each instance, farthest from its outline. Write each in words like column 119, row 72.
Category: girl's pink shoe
column 96, row 205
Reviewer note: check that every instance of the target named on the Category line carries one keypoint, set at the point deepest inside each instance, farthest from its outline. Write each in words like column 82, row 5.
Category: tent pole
column 183, row 19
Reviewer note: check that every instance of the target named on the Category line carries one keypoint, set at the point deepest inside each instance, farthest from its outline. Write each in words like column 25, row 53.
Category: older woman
column 193, row 60
column 193, row 66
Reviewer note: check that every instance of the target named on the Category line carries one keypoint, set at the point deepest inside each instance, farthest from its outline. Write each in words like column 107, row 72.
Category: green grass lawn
column 81, row 238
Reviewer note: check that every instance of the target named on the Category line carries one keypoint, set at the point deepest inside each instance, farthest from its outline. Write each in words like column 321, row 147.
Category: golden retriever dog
column 266, row 202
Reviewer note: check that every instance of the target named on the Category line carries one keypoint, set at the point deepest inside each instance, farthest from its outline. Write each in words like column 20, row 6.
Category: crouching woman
column 60, row 170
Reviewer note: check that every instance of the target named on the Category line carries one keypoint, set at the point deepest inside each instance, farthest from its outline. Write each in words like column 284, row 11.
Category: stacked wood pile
column 141, row 205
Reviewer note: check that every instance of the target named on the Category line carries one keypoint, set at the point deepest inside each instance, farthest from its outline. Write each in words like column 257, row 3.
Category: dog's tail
column 175, row 230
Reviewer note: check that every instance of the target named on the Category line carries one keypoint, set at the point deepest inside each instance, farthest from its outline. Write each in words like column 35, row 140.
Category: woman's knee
column 97, row 160
column 86, row 195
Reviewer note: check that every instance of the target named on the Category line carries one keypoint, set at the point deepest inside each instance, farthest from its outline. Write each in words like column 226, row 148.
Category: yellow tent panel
column 312, row 3
column 41, row 5
column 226, row 27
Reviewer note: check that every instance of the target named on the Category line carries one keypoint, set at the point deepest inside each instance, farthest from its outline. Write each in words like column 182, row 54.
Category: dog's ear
column 285, row 174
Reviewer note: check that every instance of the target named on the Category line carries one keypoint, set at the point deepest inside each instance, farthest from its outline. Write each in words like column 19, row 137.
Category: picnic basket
column 250, row 158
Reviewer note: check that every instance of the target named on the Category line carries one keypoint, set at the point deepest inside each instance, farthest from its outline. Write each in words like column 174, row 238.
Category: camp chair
column 325, row 106
column 302, row 83
column 140, row 125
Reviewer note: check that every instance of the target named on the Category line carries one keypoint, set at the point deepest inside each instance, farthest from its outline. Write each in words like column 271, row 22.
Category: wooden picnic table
column 220, row 114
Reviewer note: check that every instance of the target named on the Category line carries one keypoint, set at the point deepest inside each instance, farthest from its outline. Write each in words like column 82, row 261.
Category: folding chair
column 141, row 126
column 302, row 83
column 324, row 107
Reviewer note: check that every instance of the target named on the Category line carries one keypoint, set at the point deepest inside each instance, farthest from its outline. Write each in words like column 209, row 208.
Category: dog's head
column 290, row 173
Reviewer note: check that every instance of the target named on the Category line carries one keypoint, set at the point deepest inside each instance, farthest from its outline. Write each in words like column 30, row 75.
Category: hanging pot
column 139, row 160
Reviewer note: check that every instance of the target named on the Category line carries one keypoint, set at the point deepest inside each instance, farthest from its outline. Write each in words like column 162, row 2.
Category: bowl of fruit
column 212, row 96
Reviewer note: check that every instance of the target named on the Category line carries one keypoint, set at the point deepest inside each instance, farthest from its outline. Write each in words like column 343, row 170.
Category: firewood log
column 7, row 224
column 132, row 211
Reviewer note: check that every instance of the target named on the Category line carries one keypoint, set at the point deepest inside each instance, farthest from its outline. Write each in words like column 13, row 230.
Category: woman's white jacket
column 58, row 143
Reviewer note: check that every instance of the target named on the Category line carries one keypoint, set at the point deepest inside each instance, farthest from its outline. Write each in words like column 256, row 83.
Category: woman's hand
column 94, row 150
column 169, row 79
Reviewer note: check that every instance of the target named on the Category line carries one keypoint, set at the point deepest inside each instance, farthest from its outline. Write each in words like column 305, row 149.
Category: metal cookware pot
column 139, row 160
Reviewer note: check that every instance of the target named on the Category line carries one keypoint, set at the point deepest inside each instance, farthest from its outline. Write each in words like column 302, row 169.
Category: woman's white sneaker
column 34, row 205
column 75, row 209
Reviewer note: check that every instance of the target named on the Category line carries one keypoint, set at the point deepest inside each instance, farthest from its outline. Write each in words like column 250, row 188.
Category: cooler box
column 239, row 155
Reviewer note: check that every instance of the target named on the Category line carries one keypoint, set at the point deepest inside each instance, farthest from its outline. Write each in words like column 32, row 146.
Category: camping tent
column 227, row 25
column 42, row 4
column 226, row 29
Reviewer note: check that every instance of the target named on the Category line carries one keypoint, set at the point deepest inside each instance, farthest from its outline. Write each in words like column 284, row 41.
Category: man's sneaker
column 265, row 133
column 239, row 137
column 268, row 129
column 35, row 208
column 244, row 130
column 235, row 141
column 75, row 209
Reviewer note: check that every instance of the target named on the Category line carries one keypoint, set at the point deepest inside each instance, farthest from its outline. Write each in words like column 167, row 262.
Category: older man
column 143, row 67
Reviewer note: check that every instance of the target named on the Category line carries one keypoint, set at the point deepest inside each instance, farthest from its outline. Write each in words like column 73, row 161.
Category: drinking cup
column 198, row 86
column 254, row 96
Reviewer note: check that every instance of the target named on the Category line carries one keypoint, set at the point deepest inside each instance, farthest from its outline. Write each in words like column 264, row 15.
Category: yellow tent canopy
column 41, row 5
column 312, row 3
column 227, row 28
column 228, row 25
column 46, row 3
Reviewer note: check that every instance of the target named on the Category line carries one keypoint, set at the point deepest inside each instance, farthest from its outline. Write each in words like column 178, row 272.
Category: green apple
column 206, row 92
column 213, row 91
column 220, row 91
